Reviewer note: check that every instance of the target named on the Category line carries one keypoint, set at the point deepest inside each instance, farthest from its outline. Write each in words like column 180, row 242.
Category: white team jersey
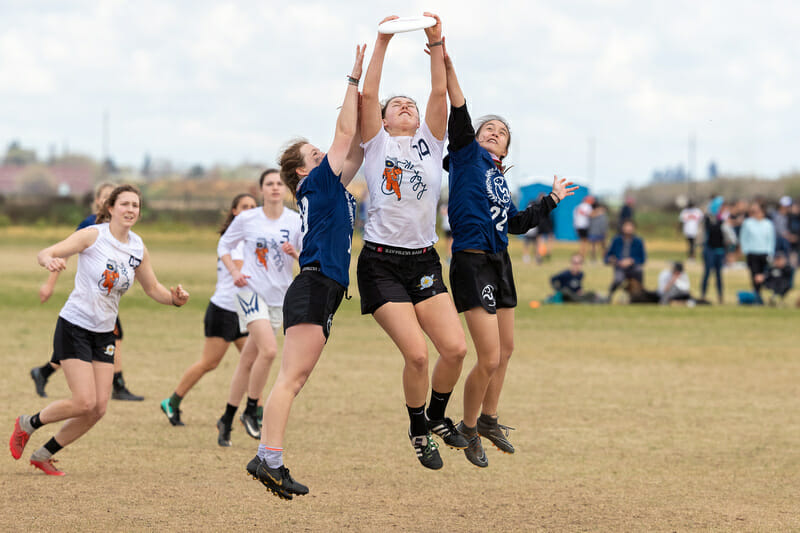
column 269, row 268
column 691, row 218
column 581, row 215
column 224, row 295
column 105, row 271
column 404, row 177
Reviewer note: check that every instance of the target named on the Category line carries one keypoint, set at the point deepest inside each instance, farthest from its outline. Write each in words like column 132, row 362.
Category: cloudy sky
column 210, row 81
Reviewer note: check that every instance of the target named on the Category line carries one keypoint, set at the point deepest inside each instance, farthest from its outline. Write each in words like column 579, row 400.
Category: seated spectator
column 569, row 283
column 673, row 284
column 627, row 255
column 778, row 278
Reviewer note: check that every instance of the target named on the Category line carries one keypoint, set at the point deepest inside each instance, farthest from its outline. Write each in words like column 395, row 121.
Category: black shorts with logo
column 220, row 322
column 482, row 280
column 388, row 274
column 74, row 342
column 312, row 298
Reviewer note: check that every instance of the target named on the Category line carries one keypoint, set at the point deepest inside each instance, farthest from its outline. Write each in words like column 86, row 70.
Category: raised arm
column 460, row 130
column 176, row 296
column 355, row 155
column 347, row 122
column 371, row 120
column 436, row 110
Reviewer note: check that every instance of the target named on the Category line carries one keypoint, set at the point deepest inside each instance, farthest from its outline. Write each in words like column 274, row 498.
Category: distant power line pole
column 690, row 171
column 105, row 148
column 590, row 161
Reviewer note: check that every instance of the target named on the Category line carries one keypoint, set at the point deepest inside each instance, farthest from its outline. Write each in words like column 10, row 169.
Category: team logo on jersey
column 392, row 178
column 115, row 275
column 488, row 295
column 262, row 251
column 248, row 306
column 134, row 262
column 496, row 188
column 426, row 282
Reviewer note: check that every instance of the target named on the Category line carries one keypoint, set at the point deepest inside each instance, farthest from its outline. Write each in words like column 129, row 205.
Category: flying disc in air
column 406, row 24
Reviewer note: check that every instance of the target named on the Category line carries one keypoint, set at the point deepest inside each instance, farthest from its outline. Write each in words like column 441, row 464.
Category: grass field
column 628, row 418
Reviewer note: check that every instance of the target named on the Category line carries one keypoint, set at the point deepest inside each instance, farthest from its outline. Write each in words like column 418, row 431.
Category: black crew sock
column 35, row 422
column 52, row 446
column 438, row 404
column 419, row 425
column 175, row 401
column 46, row 370
column 252, row 405
column 119, row 381
column 230, row 411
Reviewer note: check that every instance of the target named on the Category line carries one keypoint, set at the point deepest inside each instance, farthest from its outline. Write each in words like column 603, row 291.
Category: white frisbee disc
column 406, row 24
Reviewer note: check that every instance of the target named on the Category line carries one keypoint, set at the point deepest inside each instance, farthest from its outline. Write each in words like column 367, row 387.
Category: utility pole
column 590, row 161
column 690, row 172
column 105, row 147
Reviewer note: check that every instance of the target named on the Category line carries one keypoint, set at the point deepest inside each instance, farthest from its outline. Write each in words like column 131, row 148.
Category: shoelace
column 505, row 429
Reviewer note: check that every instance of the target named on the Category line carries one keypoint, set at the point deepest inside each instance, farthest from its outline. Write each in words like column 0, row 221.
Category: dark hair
column 386, row 102
column 231, row 216
column 265, row 173
column 104, row 215
column 291, row 159
column 677, row 266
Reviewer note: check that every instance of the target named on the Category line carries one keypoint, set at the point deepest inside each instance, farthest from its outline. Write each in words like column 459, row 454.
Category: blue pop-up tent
column 562, row 215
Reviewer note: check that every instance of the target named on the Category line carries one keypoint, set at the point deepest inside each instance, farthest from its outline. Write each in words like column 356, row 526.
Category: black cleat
column 252, row 467
column 251, row 426
column 122, row 393
column 39, row 380
column 474, row 452
column 224, row 437
column 279, row 481
column 446, row 430
column 173, row 415
column 496, row 433
column 427, row 451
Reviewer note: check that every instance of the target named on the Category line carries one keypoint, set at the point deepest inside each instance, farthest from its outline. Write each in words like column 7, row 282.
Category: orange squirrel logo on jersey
column 392, row 176
column 109, row 279
column 262, row 254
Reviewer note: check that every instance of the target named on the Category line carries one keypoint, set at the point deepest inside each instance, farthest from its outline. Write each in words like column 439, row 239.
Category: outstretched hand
column 357, row 66
column 563, row 188
column 434, row 33
column 386, row 37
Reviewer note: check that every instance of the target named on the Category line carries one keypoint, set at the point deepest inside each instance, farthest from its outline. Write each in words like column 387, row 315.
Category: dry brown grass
column 629, row 419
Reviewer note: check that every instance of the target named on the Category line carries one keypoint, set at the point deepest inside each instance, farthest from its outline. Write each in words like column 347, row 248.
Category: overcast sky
column 209, row 81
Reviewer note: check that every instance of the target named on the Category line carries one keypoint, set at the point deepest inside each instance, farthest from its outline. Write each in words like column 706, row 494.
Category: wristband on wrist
column 438, row 43
column 352, row 81
column 558, row 199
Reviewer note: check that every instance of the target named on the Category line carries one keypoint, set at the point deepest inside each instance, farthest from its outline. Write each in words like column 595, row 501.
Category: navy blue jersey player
column 318, row 182
column 481, row 216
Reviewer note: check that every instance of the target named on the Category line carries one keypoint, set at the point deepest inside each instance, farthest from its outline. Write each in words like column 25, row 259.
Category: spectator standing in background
column 757, row 239
column 581, row 216
column 794, row 233
column 783, row 237
column 713, row 247
column 690, row 218
column 598, row 229
column 626, row 213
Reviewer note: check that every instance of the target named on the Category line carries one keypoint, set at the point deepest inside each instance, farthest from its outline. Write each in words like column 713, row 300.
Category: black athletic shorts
column 387, row 274
column 74, row 342
column 222, row 323
column 482, row 280
column 312, row 298
column 583, row 233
